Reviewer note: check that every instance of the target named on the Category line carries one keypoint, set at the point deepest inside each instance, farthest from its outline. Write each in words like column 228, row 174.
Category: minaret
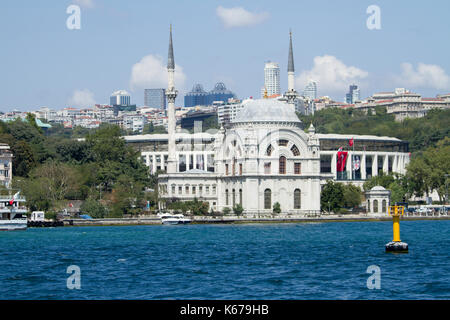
column 291, row 94
column 171, row 95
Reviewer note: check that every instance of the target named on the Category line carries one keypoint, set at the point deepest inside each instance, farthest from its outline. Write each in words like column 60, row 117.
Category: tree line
column 52, row 168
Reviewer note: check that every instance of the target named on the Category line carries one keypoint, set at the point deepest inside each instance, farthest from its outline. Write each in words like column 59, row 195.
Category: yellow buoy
column 396, row 245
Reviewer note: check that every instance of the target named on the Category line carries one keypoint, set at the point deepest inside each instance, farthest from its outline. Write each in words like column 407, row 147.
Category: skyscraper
column 155, row 98
column 353, row 95
column 271, row 78
column 120, row 98
column 310, row 90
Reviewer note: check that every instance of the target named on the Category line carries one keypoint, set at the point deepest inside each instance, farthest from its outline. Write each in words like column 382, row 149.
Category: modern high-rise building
column 120, row 98
column 199, row 97
column 310, row 90
column 353, row 94
column 155, row 98
column 220, row 93
column 271, row 78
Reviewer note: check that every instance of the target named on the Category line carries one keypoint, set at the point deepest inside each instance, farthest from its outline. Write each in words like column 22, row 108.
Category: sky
column 46, row 60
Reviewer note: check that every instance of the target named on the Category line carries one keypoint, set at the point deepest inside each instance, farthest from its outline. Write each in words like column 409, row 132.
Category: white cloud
column 425, row 76
column 82, row 98
column 85, row 3
column 239, row 17
column 151, row 72
column 332, row 75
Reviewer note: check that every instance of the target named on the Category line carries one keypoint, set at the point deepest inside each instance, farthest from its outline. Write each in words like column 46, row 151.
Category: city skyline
column 71, row 67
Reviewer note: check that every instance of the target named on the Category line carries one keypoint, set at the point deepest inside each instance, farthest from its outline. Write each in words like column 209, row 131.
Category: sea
column 341, row 260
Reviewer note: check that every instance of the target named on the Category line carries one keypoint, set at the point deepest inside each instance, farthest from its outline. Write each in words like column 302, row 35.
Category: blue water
column 258, row 261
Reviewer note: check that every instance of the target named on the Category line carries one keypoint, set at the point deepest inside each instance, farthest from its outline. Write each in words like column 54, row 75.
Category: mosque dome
column 266, row 110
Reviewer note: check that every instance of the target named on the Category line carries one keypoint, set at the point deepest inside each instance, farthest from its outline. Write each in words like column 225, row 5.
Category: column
column 375, row 165
column 334, row 164
column 363, row 167
column 395, row 164
column 147, row 160
column 162, row 162
column 386, row 164
column 205, row 161
column 349, row 166
column 195, row 161
column 154, row 164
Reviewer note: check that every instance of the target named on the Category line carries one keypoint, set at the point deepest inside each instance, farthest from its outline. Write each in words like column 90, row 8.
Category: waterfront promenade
column 231, row 219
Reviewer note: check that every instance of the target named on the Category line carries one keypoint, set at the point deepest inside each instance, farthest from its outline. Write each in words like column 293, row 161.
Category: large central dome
column 266, row 110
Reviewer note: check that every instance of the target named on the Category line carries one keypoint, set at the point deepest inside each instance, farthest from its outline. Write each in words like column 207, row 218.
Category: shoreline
column 242, row 220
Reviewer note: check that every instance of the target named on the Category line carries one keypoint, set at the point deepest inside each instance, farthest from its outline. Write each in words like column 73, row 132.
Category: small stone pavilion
column 377, row 200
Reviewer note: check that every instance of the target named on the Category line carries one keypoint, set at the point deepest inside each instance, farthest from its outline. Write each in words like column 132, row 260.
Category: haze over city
column 120, row 46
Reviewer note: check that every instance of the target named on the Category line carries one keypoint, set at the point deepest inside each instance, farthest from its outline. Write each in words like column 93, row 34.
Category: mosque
column 265, row 156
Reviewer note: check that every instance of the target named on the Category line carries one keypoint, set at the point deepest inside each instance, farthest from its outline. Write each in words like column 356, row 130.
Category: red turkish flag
column 350, row 142
column 341, row 160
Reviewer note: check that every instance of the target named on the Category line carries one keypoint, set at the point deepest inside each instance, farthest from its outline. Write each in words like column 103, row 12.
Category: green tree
column 352, row 196
column 238, row 209
column 276, row 208
column 93, row 208
column 332, row 196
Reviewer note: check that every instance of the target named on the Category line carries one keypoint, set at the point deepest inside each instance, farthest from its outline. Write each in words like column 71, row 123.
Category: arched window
column 368, row 205
column 269, row 150
column 234, row 197
column 282, row 165
column 240, row 197
column 375, row 205
column 295, row 151
column 383, row 206
column 297, row 199
column 267, row 199
column 226, row 197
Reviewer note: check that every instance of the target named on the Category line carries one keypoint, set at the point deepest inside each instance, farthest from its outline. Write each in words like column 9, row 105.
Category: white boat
column 12, row 213
column 173, row 219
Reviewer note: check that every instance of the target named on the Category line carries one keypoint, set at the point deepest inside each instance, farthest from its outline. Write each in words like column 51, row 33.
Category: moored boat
column 174, row 219
column 13, row 214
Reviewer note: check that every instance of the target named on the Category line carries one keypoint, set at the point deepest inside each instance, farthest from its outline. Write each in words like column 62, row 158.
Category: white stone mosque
column 263, row 157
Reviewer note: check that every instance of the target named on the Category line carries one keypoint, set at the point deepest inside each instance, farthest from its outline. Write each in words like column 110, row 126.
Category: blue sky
column 123, row 45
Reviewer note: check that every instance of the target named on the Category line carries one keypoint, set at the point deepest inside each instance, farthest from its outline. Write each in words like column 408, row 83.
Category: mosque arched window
column 297, row 199
column 282, row 165
column 295, row 151
column 269, row 150
column 240, row 197
column 267, row 199
column 375, row 205
column 226, row 196
column 383, row 206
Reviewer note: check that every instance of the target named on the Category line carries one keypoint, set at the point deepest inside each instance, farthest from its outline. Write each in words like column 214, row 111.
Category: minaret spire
column 291, row 95
column 171, row 59
column 291, row 55
column 171, row 95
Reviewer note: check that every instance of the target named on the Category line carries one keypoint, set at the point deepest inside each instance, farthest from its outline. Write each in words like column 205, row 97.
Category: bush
column 226, row 211
column 238, row 209
column 276, row 208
